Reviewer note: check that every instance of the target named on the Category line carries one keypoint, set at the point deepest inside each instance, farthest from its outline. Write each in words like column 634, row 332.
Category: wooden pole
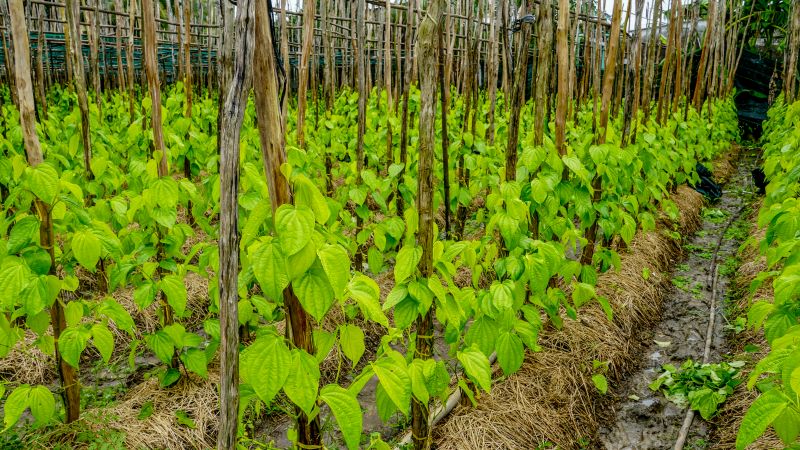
column 428, row 32
column 305, row 57
column 92, row 32
column 273, row 152
column 118, row 23
column 608, row 85
column 40, row 45
column 699, row 89
column 24, row 86
column 129, row 57
column 359, row 53
column 187, row 82
column 518, row 98
column 409, row 35
column 232, row 115
column 545, row 50
column 444, row 87
column 153, row 86
column 563, row 96
column 76, row 56
column 287, row 67
column 492, row 64
column 790, row 83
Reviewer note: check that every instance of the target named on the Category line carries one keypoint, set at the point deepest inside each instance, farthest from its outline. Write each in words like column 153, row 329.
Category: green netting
column 108, row 62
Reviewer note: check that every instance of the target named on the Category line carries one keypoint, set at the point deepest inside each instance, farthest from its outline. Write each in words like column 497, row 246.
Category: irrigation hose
column 714, row 278
column 442, row 410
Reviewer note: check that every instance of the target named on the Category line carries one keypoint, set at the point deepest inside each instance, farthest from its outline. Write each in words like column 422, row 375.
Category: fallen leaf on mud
column 663, row 344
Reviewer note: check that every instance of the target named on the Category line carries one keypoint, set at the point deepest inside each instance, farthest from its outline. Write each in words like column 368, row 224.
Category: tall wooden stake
column 230, row 127
column 305, row 57
column 358, row 50
column 608, row 84
column 517, row 98
column 428, row 32
column 273, row 152
column 76, row 56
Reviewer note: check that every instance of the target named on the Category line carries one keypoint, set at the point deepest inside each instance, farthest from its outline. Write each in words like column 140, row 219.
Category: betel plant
column 42, row 182
column 777, row 375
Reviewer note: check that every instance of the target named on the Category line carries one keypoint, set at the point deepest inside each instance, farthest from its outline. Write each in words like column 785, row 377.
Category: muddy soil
column 643, row 419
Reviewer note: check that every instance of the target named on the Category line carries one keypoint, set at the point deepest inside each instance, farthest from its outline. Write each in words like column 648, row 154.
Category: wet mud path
column 641, row 419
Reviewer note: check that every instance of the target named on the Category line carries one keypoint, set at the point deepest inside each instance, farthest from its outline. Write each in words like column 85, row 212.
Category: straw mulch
column 552, row 399
column 196, row 397
column 730, row 418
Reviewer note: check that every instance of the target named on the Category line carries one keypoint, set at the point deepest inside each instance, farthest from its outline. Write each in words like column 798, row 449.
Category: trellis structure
column 110, row 44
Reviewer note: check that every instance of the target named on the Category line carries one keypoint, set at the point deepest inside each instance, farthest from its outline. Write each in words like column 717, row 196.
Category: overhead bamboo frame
column 106, row 38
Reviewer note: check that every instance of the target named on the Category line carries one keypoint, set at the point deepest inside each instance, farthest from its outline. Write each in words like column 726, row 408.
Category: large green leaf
column 365, row 291
column 266, row 365
column 269, row 267
column 303, row 381
column 44, row 182
column 306, row 194
column 14, row 277
column 351, row 339
column 114, row 311
column 15, row 405
column 347, row 412
column 195, row 360
column 510, row 352
column 71, row 344
column 483, row 334
column 22, row 233
column 787, row 425
column 336, row 263
column 42, row 404
column 294, row 226
column 476, row 365
column 86, row 248
column 314, row 292
column 103, row 340
column 165, row 192
column 162, row 345
column 173, row 287
column 393, row 375
column 406, row 262
column 764, row 410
